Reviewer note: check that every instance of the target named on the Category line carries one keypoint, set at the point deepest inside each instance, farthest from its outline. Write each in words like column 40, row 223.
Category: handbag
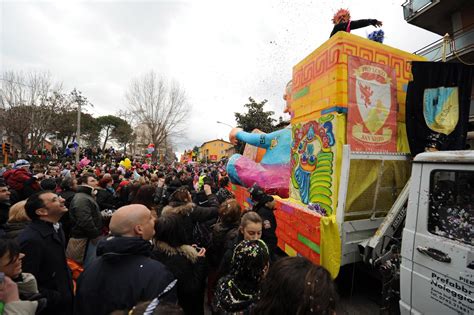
column 76, row 249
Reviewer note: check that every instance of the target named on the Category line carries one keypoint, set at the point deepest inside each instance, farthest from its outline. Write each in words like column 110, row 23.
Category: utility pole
column 78, row 131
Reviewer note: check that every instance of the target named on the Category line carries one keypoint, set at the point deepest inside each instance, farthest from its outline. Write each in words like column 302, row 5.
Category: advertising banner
column 372, row 112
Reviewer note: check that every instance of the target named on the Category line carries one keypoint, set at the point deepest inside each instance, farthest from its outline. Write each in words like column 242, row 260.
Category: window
column 451, row 208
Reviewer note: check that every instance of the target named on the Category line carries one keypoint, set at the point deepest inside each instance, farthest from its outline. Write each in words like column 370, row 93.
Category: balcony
column 432, row 15
column 460, row 47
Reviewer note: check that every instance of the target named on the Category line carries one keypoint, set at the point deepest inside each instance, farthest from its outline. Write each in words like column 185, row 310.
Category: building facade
column 214, row 150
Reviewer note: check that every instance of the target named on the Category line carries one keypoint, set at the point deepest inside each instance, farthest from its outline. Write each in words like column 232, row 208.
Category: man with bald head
column 124, row 274
column 133, row 220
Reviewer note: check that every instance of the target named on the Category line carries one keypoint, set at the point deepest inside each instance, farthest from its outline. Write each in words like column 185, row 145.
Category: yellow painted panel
column 315, row 95
column 320, row 82
column 297, row 106
column 402, row 139
column 329, row 90
column 340, row 99
column 290, row 250
column 321, row 104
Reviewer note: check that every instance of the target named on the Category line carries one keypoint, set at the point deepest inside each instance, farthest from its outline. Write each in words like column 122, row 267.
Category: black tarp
column 434, row 75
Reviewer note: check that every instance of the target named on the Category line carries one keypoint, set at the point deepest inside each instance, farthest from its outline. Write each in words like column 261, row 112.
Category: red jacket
column 22, row 181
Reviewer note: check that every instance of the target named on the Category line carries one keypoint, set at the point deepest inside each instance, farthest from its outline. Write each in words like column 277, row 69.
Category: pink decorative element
column 274, row 179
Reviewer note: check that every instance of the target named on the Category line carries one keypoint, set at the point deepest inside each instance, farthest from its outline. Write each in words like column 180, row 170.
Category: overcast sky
column 221, row 52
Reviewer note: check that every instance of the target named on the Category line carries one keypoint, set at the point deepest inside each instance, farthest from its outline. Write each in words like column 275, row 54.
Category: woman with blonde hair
column 17, row 220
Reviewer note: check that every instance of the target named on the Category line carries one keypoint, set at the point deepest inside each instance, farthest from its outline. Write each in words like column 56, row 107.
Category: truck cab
column 436, row 274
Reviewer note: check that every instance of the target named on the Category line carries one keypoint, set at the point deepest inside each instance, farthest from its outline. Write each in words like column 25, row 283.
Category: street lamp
column 223, row 123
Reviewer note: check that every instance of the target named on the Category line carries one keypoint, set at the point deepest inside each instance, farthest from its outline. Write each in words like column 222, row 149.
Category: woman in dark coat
column 145, row 196
column 106, row 195
column 181, row 203
column 17, row 220
column 186, row 262
column 224, row 232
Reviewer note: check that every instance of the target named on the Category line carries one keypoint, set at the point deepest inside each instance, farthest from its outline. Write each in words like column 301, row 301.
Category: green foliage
column 65, row 125
column 90, row 129
column 255, row 118
column 114, row 127
column 124, row 135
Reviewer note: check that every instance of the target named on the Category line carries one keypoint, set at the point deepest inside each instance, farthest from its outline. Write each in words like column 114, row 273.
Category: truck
column 357, row 192
column 423, row 247
column 436, row 274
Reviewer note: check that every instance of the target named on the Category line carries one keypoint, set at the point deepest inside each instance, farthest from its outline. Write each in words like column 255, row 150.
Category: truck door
column 443, row 253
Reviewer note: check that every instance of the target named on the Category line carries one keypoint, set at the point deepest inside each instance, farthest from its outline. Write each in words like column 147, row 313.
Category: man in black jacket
column 43, row 243
column 124, row 274
column 86, row 221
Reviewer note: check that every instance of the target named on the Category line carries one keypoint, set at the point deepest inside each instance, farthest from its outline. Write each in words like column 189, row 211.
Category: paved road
column 360, row 292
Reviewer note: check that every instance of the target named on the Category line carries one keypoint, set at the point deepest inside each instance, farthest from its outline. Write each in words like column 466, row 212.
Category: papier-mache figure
column 272, row 172
column 342, row 22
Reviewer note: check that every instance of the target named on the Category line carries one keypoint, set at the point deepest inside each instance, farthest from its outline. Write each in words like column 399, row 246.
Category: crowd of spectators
column 147, row 239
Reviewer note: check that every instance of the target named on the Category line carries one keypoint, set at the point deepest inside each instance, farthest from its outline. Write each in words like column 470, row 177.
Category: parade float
column 343, row 158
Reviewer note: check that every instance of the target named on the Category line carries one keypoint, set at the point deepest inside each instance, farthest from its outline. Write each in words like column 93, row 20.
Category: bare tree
column 159, row 106
column 29, row 101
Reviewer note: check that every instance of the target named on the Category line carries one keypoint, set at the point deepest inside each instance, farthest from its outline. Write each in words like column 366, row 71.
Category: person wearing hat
column 22, row 181
column 264, row 205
